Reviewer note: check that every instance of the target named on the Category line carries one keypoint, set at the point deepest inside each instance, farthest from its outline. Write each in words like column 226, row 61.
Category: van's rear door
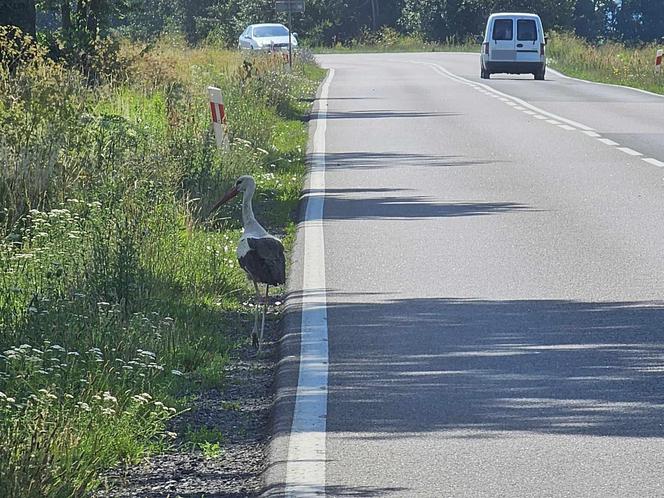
column 502, row 45
column 527, row 40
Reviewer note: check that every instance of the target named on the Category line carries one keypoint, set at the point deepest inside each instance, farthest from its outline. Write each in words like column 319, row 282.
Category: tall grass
column 609, row 62
column 116, row 294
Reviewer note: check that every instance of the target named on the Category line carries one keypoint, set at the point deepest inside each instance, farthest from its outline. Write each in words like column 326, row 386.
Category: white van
column 513, row 43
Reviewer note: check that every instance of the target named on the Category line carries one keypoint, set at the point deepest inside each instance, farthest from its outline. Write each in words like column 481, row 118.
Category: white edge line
column 305, row 466
column 558, row 73
column 608, row 141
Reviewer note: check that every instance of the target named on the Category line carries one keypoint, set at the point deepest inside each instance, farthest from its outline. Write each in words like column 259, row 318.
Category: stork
column 260, row 254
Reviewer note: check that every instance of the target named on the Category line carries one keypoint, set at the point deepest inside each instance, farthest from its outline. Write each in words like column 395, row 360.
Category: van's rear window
column 526, row 30
column 502, row 29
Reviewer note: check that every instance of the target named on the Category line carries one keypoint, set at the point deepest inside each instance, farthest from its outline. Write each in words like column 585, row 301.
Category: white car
column 513, row 43
column 266, row 37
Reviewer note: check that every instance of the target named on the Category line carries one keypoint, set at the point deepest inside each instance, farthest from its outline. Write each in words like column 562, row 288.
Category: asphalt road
column 494, row 268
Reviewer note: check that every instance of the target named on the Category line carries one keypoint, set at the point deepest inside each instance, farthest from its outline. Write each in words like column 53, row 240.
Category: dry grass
column 609, row 63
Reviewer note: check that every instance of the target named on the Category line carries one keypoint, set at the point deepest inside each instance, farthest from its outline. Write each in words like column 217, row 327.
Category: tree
column 19, row 13
column 641, row 20
column 594, row 19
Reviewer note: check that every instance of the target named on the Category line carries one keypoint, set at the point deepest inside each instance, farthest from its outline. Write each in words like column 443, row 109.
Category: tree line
column 78, row 23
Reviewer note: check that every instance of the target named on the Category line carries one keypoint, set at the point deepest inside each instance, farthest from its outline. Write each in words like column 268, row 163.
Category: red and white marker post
column 658, row 61
column 218, row 114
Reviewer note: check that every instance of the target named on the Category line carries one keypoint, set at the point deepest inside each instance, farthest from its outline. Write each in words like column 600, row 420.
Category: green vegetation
column 117, row 296
column 75, row 28
column 208, row 440
column 390, row 40
column 609, row 63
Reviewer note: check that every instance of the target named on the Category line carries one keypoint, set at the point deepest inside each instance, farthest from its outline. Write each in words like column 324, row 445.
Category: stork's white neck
column 251, row 226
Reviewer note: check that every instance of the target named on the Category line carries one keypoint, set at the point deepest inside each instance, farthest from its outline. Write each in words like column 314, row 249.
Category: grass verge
column 610, row 62
column 117, row 295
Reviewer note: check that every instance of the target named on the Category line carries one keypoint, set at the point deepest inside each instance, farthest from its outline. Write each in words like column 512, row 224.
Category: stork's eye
column 237, row 183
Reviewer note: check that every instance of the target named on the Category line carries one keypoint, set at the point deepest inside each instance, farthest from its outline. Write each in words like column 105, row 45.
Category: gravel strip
column 240, row 411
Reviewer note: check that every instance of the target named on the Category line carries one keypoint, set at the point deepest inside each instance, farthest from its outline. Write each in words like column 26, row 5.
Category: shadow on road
column 448, row 365
column 382, row 114
column 372, row 160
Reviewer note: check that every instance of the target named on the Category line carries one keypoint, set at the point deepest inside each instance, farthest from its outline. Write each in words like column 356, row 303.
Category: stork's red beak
column 227, row 197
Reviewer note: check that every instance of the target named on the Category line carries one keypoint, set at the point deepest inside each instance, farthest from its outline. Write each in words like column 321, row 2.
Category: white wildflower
column 84, row 406
column 110, row 398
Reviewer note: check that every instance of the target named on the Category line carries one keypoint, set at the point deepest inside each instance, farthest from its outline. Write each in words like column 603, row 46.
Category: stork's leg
column 267, row 294
column 254, row 331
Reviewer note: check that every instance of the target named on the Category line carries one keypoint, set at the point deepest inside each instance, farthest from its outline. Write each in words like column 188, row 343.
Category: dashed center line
column 537, row 113
column 567, row 127
column 629, row 151
column 653, row 161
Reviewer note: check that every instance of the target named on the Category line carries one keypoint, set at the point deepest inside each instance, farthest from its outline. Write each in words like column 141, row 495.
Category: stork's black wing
column 265, row 260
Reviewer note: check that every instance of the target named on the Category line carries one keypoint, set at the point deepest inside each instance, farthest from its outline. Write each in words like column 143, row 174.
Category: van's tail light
column 485, row 48
column 541, row 48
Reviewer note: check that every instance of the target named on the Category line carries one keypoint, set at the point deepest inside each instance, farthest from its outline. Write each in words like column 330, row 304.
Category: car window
column 526, row 30
column 502, row 29
column 264, row 31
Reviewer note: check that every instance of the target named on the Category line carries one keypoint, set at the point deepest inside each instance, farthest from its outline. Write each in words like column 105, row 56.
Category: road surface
column 494, row 275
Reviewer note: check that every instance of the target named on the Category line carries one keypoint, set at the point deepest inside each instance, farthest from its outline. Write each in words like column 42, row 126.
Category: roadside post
column 218, row 114
column 658, row 61
column 290, row 6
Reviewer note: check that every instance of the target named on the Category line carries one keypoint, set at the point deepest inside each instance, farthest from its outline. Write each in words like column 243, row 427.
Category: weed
column 211, row 450
column 116, row 293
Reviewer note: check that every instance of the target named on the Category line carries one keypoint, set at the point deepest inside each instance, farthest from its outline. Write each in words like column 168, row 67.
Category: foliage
column 117, row 296
column 332, row 22
column 610, row 62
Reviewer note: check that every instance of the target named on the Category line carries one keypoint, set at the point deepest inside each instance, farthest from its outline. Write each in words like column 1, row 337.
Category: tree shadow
column 542, row 366
column 277, row 490
column 381, row 114
column 373, row 160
